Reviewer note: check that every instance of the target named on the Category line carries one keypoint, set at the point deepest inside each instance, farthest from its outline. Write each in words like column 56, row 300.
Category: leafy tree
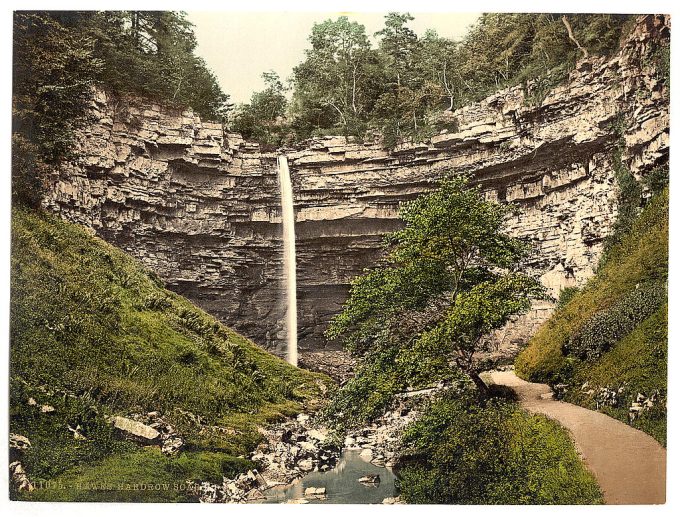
column 398, row 44
column 54, row 71
column 346, row 85
column 450, row 277
column 409, row 93
column 331, row 84
column 261, row 119
column 439, row 63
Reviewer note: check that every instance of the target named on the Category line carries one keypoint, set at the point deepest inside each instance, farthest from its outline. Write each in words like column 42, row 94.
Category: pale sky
column 239, row 46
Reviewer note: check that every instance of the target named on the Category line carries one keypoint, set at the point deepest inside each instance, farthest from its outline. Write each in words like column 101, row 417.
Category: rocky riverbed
column 290, row 450
column 301, row 446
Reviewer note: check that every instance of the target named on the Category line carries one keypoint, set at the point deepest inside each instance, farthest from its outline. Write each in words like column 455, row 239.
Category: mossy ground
column 637, row 363
column 93, row 333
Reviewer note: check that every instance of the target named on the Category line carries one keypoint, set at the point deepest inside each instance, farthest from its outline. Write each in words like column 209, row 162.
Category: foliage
column 332, row 86
column 54, row 69
column 262, row 119
column 604, row 329
column 629, row 197
column 89, row 322
column 660, row 58
column 656, row 180
column 636, row 364
column 449, row 277
column 59, row 56
column 151, row 53
column 470, row 451
column 346, row 85
column 566, row 295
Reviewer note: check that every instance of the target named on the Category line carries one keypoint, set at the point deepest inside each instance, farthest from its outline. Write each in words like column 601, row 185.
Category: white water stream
column 289, row 274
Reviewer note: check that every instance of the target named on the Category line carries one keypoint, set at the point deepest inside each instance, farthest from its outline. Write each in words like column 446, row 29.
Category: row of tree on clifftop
column 60, row 55
column 346, row 85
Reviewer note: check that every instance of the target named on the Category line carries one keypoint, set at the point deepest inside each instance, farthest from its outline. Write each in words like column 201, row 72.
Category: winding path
column 628, row 464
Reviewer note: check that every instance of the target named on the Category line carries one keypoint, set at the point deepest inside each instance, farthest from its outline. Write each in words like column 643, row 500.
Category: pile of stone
column 642, row 403
column 18, row 444
column 293, row 449
column 19, row 478
column 315, row 493
column 242, row 489
column 290, row 450
column 393, row 500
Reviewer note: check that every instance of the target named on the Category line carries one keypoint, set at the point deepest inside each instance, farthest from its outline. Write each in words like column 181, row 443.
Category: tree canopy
column 262, row 118
column 398, row 83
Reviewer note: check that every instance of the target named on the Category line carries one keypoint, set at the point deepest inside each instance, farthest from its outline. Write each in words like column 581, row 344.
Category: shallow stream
column 341, row 483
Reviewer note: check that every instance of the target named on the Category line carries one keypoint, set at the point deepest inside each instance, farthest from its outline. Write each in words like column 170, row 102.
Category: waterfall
column 289, row 274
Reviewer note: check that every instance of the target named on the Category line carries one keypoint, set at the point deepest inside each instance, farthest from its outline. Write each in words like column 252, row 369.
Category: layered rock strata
column 200, row 206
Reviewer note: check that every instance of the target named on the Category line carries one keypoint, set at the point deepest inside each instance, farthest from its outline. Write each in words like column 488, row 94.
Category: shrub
column 566, row 295
column 465, row 451
column 601, row 331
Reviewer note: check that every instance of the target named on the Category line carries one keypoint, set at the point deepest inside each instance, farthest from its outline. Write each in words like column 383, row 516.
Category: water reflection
column 341, row 484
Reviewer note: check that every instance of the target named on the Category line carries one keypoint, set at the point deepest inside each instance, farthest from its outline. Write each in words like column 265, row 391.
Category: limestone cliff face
column 200, row 206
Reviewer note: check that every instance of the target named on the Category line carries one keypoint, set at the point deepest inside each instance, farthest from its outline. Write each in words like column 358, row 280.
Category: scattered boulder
column 45, row 408
column 318, row 435
column 172, row 445
column 303, row 418
column 366, row 453
column 19, row 442
column 77, row 434
column 314, row 491
column 19, row 478
column 392, row 500
column 306, row 465
column 254, row 495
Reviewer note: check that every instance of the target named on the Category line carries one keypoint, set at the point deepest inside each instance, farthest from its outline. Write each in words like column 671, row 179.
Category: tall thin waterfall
column 289, row 274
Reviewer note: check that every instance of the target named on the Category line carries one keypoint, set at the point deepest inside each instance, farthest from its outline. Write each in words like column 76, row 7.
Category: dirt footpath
column 629, row 465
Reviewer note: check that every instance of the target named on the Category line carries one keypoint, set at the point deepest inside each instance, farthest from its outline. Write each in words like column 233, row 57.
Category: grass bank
column 94, row 334
column 470, row 451
column 606, row 348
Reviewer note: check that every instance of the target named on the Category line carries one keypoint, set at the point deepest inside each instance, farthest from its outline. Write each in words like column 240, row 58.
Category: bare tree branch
column 571, row 36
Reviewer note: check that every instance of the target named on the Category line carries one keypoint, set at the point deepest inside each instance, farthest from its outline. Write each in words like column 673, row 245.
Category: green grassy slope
column 636, row 363
column 93, row 334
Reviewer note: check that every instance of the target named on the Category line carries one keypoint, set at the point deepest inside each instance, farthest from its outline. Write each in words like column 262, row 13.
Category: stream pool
column 341, row 484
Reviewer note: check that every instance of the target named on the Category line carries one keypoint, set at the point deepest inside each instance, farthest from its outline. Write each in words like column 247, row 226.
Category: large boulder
column 136, row 430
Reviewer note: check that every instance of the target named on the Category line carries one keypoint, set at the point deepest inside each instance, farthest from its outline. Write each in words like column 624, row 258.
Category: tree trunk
column 570, row 32
column 481, row 385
